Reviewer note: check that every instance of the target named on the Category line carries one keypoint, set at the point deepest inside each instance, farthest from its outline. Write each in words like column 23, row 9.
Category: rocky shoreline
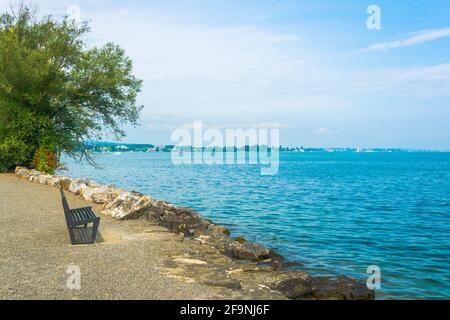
column 255, row 263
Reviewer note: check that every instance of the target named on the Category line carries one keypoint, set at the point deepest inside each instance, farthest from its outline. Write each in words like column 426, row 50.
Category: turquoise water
column 337, row 213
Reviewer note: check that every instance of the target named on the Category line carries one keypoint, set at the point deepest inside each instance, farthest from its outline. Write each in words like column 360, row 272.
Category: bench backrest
column 65, row 207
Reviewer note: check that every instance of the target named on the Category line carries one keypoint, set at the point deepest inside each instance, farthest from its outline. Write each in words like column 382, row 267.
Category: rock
column 176, row 219
column 341, row 288
column 22, row 172
column 51, row 181
column 294, row 288
column 34, row 175
column 276, row 257
column 247, row 251
column 323, row 288
column 240, row 239
column 105, row 195
column 202, row 239
column 270, row 265
column 64, row 182
column 47, row 180
column 77, row 185
column 225, row 283
column 216, row 229
column 82, row 186
column 91, row 184
column 87, row 192
column 42, row 179
column 263, row 266
column 190, row 261
column 128, row 206
column 101, row 195
column 164, row 204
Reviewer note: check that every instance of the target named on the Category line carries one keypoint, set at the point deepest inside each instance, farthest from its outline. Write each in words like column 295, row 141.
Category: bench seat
column 81, row 215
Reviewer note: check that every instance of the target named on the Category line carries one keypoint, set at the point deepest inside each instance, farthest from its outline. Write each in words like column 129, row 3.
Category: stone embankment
column 258, row 262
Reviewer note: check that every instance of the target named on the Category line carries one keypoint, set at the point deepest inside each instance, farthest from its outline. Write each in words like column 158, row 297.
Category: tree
column 56, row 93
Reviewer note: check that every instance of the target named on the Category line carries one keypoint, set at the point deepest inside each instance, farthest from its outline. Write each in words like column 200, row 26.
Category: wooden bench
column 77, row 222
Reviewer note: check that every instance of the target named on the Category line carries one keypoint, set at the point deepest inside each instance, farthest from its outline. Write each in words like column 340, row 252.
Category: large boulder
column 64, row 182
column 341, row 288
column 104, row 194
column 22, row 172
column 323, row 288
column 80, row 186
column 48, row 180
column 128, row 205
column 295, row 288
column 86, row 192
column 36, row 176
column 77, row 185
column 176, row 219
column 214, row 229
column 247, row 251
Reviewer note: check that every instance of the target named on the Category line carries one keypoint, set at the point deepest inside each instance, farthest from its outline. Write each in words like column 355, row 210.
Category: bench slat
column 90, row 214
column 82, row 214
column 87, row 213
column 75, row 215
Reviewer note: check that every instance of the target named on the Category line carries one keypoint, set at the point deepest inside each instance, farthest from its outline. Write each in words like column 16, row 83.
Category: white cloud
column 165, row 50
column 423, row 81
column 261, row 17
column 413, row 39
column 190, row 125
column 204, row 70
column 323, row 131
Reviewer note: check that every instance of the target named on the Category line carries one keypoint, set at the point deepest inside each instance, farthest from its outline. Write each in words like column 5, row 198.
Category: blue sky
column 311, row 68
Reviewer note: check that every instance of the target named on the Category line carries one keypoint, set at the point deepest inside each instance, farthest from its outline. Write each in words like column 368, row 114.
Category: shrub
column 45, row 160
column 14, row 152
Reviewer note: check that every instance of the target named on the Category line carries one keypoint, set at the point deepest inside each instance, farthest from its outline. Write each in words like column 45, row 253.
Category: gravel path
column 127, row 262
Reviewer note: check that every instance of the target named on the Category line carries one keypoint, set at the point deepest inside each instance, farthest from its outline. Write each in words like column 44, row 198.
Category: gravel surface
column 127, row 262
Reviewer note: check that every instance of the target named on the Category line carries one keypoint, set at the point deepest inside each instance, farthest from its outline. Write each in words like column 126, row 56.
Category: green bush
column 14, row 152
column 22, row 136
column 45, row 160
column 3, row 167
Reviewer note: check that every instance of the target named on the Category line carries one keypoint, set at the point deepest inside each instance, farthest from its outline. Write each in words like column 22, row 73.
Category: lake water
column 337, row 213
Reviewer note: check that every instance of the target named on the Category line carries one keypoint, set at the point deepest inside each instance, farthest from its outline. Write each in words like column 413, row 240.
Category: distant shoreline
column 105, row 147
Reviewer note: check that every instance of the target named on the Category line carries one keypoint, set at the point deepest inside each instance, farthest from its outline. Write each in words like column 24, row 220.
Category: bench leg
column 72, row 235
column 95, row 229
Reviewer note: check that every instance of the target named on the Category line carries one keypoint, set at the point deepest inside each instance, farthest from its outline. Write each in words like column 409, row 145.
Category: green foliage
column 45, row 159
column 55, row 94
column 21, row 136
column 13, row 152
